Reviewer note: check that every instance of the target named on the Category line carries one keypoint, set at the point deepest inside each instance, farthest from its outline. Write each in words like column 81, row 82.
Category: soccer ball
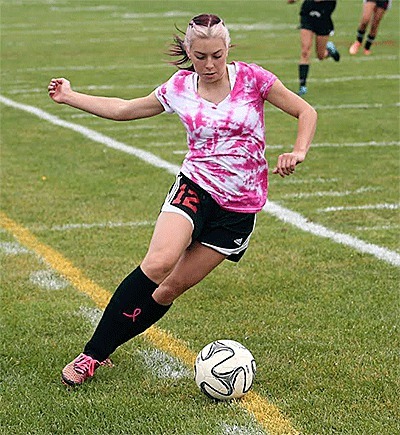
column 224, row 369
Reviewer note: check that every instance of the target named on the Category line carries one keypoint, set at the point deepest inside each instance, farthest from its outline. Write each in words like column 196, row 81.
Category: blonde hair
column 206, row 26
column 201, row 26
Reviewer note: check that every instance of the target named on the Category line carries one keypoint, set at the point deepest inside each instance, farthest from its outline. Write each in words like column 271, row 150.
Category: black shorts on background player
column 315, row 23
column 316, row 16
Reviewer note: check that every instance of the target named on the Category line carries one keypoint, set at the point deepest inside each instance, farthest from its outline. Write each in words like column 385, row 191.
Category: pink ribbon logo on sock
column 136, row 313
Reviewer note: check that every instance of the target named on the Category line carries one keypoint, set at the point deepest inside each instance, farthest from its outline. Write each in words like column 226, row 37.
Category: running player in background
column 315, row 19
column 372, row 14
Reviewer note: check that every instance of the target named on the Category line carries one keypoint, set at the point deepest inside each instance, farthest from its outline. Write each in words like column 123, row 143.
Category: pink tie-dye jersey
column 226, row 140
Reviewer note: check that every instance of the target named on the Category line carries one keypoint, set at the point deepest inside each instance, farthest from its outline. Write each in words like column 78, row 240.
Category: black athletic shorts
column 316, row 16
column 384, row 4
column 224, row 231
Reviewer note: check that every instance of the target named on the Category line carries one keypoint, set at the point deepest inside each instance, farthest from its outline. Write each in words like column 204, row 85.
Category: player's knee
column 305, row 54
column 158, row 266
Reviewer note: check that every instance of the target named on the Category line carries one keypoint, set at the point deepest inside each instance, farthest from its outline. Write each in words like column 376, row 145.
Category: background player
column 315, row 20
column 372, row 13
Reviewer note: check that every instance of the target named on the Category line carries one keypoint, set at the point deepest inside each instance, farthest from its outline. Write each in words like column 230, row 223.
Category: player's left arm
column 287, row 101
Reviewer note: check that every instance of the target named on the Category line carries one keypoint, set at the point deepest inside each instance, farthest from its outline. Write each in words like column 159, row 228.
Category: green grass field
column 315, row 298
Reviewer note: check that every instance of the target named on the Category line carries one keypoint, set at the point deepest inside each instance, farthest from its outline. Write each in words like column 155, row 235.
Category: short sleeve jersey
column 226, row 141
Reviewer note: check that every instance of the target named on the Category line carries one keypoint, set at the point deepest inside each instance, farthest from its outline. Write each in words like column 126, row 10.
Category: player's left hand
column 287, row 162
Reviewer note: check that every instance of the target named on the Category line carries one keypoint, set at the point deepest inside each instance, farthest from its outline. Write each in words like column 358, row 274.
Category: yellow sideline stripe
column 267, row 414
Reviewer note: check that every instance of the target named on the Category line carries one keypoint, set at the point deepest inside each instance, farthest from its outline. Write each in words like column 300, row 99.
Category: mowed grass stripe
column 267, row 414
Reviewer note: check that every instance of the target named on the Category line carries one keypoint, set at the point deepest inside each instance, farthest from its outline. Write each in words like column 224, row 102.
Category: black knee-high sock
column 360, row 35
column 370, row 40
column 130, row 311
column 303, row 73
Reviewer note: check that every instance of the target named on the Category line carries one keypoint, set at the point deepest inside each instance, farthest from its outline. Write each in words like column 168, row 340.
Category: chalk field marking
column 281, row 213
column 94, row 135
column 164, row 366
column 357, row 59
column 318, row 180
column 56, row 261
column 378, row 228
column 48, row 280
column 234, row 429
column 13, row 248
column 133, row 65
column 330, row 193
column 357, row 144
column 84, row 9
column 10, row 248
column 300, row 221
column 352, row 106
column 267, row 414
column 360, row 207
column 86, row 226
column 350, row 78
column 66, row 68
column 93, row 315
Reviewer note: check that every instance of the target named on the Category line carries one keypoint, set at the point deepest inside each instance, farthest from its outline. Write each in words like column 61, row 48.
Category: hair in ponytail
column 201, row 26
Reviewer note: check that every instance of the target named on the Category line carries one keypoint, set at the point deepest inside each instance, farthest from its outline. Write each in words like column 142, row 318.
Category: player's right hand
column 58, row 89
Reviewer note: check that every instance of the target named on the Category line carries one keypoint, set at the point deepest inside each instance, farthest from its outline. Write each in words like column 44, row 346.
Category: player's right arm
column 117, row 109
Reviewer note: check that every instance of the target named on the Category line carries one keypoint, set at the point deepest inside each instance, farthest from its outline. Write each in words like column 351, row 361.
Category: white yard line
column 303, row 223
column 13, row 248
column 164, row 366
column 378, row 228
column 329, row 193
column 129, row 66
column 48, row 279
column 361, row 207
column 162, row 64
column 77, row 9
column 281, row 213
column 86, row 226
column 357, row 144
column 310, row 180
column 349, row 79
column 293, row 61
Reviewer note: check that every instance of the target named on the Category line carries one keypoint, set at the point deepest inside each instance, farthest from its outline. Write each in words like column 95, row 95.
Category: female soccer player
column 315, row 19
column 372, row 14
column 209, row 213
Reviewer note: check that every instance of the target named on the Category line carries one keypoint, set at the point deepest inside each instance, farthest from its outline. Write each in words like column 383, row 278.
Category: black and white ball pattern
column 225, row 369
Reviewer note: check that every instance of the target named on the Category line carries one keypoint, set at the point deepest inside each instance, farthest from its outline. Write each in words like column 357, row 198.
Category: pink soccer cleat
column 81, row 368
column 355, row 46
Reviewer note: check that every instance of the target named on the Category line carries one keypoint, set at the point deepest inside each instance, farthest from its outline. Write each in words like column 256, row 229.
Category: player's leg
column 367, row 12
column 225, row 234
column 172, row 235
column 194, row 265
column 376, row 19
column 306, row 40
column 320, row 46
column 324, row 28
column 132, row 309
